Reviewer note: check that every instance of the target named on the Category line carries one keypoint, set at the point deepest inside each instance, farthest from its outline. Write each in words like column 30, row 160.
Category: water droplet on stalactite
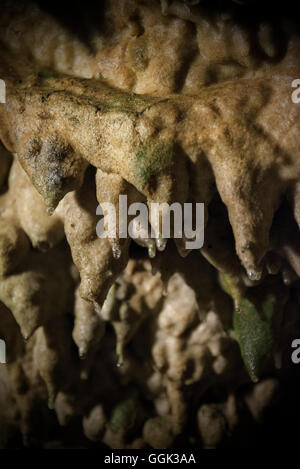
column 253, row 274
column 120, row 352
column 161, row 243
column 165, row 286
column 288, row 277
column 82, row 353
column 151, row 251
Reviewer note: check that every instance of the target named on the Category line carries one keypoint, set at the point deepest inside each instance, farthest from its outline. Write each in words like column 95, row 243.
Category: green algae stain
column 253, row 330
column 123, row 416
column 47, row 74
column 128, row 102
column 153, row 159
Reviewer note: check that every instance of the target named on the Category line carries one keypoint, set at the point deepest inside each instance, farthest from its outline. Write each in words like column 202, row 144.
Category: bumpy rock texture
column 166, row 101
